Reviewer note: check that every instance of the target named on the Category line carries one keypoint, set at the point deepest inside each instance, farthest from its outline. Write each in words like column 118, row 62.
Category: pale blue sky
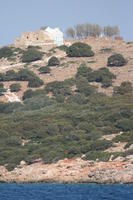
column 17, row 16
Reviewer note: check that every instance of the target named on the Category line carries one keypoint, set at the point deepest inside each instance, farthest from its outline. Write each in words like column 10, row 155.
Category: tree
column 79, row 28
column 80, row 49
column 124, row 88
column 15, row 87
column 70, row 32
column 45, row 70
column 53, row 61
column 110, row 31
column 96, row 30
column 31, row 55
column 116, row 60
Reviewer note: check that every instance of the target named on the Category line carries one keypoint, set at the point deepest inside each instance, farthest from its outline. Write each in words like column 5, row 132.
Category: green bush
column 35, row 82
column 2, row 89
column 84, row 87
column 31, row 55
column 83, row 70
column 63, row 48
column 15, row 87
column 80, row 49
column 53, row 61
column 124, row 88
column 125, row 124
column 6, row 52
column 30, row 76
column 102, row 75
column 116, row 60
column 10, row 75
column 45, row 70
column 124, row 137
column 58, row 88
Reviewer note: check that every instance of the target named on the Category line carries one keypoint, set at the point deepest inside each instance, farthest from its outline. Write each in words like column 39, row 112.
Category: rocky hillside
column 73, row 101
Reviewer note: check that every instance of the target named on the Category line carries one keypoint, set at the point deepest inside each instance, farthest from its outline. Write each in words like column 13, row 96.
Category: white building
column 55, row 35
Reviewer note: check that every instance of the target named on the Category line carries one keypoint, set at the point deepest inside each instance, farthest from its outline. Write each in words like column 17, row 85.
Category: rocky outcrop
column 70, row 170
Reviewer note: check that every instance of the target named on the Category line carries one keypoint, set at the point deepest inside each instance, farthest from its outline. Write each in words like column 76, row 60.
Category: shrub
column 6, row 52
column 15, row 87
column 53, row 61
column 116, row 60
column 83, row 71
column 102, row 75
column 31, row 55
column 2, row 89
column 35, row 82
column 83, row 86
column 124, row 88
column 80, row 49
column 58, row 87
column 125, row 124
column 27, row 75
column 63, row 48
column 45, row 70
column 10, row 75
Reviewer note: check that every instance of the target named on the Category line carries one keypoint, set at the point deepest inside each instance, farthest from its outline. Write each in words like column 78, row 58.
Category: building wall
column 48, row 37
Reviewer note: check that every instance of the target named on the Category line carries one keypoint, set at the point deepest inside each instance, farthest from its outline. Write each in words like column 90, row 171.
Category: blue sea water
column 65, row 192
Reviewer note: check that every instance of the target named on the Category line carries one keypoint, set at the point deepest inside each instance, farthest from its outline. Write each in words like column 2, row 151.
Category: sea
column 65, row 192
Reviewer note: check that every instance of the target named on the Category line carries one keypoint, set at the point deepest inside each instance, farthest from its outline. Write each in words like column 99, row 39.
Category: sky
column 17, row 16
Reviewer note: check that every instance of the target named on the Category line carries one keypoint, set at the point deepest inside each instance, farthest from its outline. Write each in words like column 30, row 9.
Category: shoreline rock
column 70, row 171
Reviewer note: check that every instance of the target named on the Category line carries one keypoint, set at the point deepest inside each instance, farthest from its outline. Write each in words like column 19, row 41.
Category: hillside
column 77, row 108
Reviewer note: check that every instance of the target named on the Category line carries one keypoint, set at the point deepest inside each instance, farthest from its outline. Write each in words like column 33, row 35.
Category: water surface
column 65, row 192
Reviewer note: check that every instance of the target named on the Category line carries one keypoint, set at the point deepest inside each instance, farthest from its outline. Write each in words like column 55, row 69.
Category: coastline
column 70, row 171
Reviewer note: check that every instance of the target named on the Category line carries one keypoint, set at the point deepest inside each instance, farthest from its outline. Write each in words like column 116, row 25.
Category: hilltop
column 56, row 106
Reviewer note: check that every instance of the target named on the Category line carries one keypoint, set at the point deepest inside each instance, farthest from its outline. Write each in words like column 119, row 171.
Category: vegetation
column 45, row 70
column 53, row 61
column 15, row 87
column 67, row 124
column 103, row 75
column 2, row 89
column 6, row 52
column 22, row 75
column 94, row 30
column 31, row 54
column 124, row 88
column 80, row 49
column 116, row 60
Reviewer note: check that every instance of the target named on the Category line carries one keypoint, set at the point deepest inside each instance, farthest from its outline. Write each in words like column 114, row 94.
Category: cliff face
column 71, row 170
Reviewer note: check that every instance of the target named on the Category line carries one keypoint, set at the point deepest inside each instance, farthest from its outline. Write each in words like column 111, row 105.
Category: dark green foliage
column 125, row 124
column 32, row 54
column 53, row 61
column 80, row 49
column 124, row 88
column 45, row 70
column 6, row 52
column 124, row 137
column 2, row 89
column 30, row 93
column 15, row 87
column 10, row 75
column 68, row 124
column 63, row 48
column 98, row 155
column 116, row 60
column 102, row 75
column 84, row 87
column 22, row 75
column 27, row 75
column 58, row 88
column 83, row 71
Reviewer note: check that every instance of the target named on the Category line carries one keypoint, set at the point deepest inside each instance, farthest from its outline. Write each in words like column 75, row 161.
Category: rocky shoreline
column 70, row 171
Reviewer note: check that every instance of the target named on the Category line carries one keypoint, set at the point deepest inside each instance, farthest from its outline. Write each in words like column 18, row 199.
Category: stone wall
column 38, row 38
